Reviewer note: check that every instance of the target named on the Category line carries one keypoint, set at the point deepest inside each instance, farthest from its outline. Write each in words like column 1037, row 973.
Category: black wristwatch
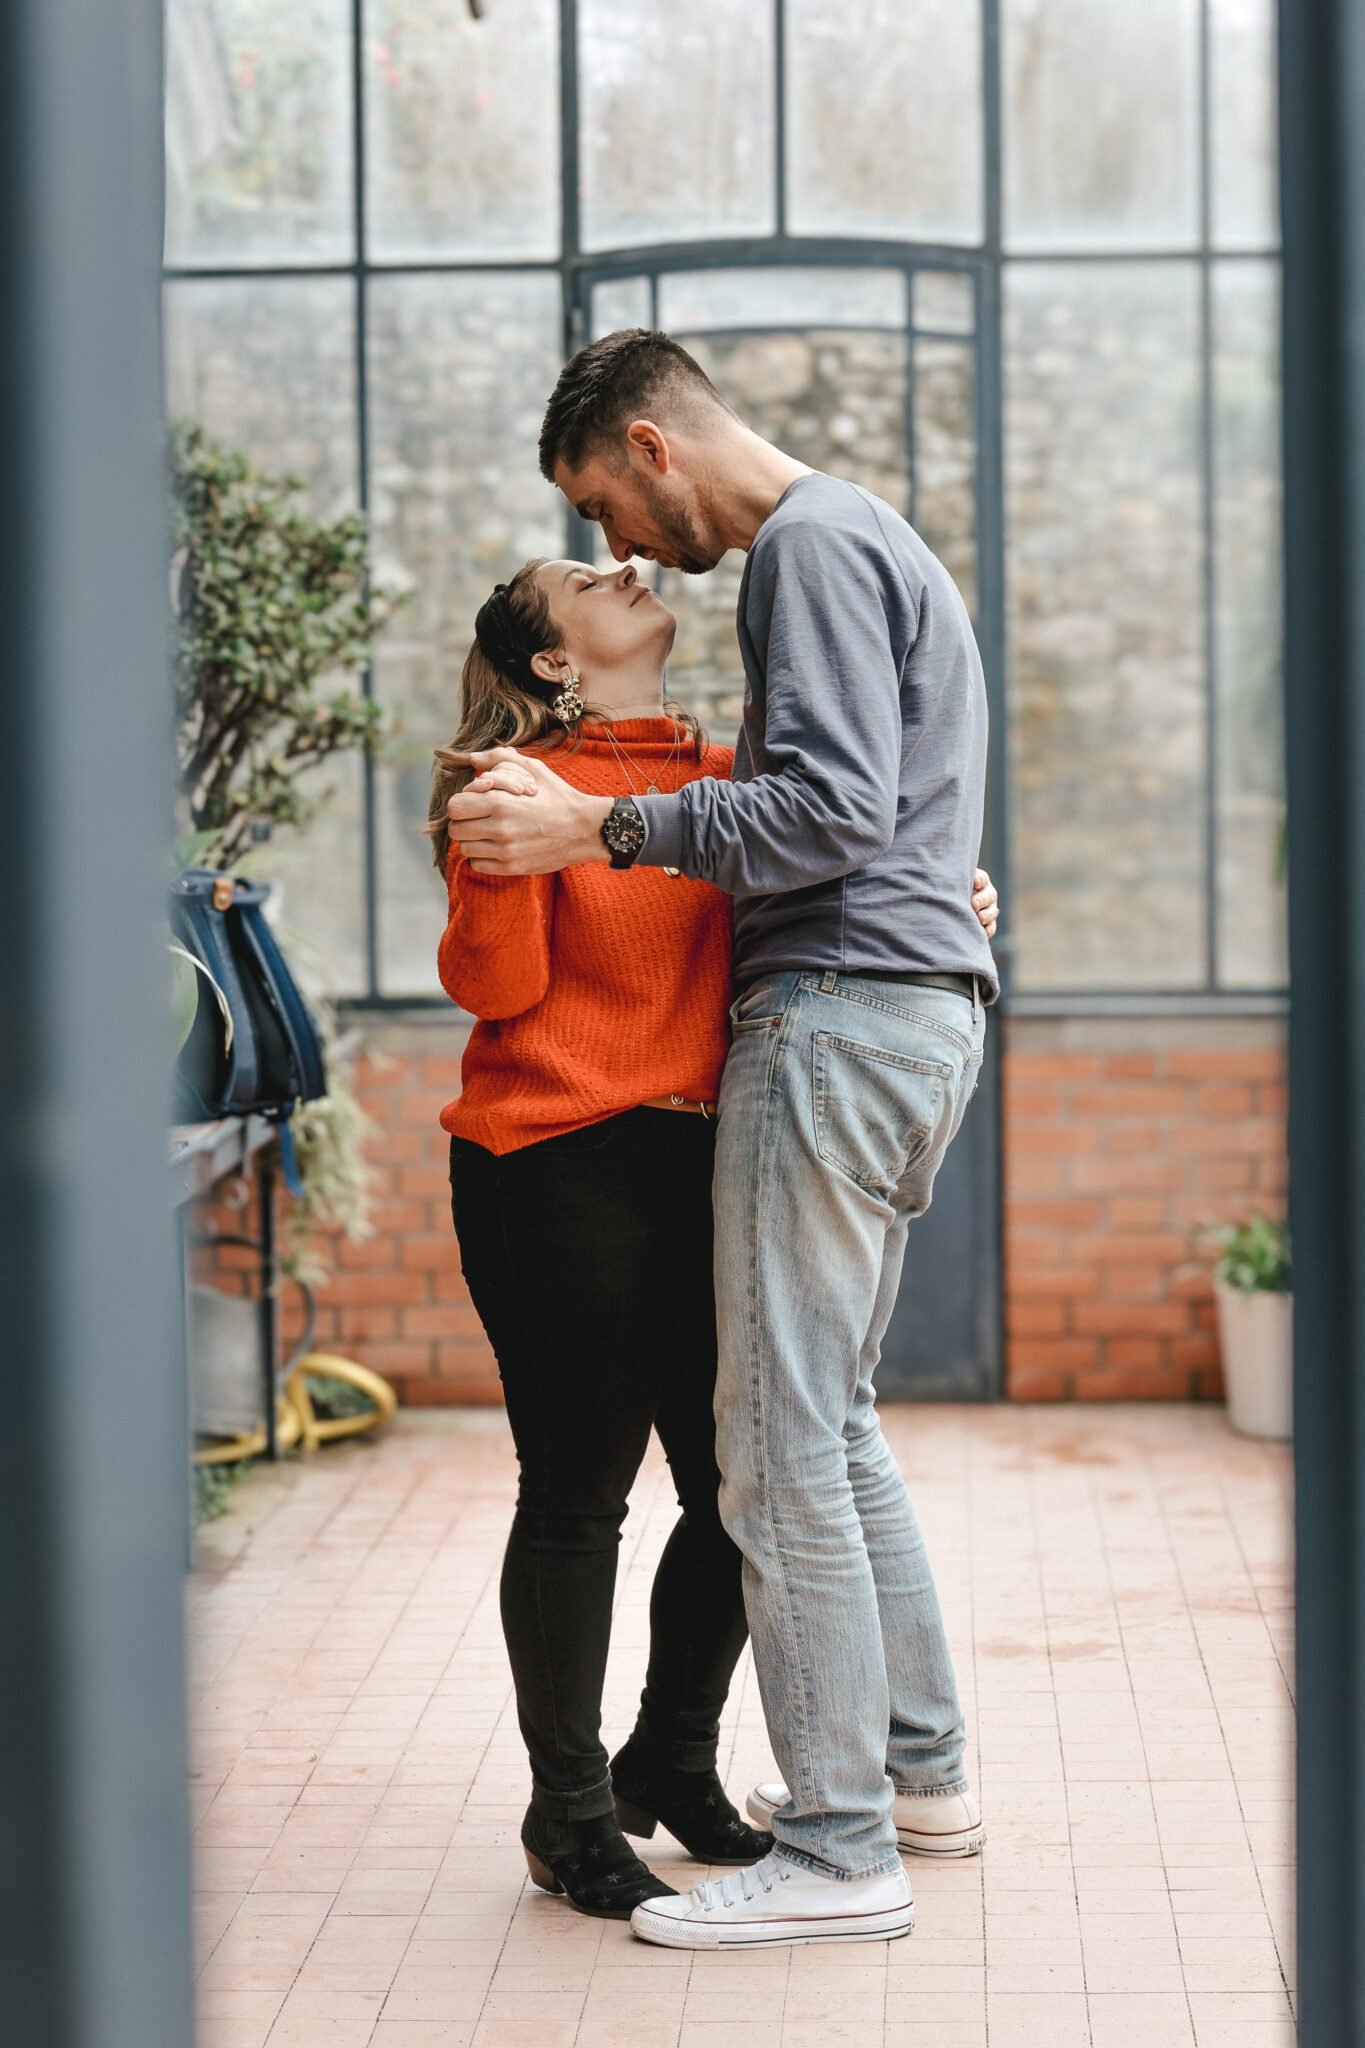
column 623, row 832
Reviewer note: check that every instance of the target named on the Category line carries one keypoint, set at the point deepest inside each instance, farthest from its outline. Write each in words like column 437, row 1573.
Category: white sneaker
column 776, row 1904
column 949, row 1824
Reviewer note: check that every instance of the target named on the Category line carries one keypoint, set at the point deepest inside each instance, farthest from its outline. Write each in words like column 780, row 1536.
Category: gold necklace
column 652, row 787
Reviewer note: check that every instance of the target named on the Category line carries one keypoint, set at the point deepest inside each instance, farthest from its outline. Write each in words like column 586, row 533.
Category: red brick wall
column 1126, row 1141
column 396, row 1301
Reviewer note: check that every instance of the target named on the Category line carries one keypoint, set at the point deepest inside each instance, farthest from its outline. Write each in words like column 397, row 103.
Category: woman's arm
column 494, row 959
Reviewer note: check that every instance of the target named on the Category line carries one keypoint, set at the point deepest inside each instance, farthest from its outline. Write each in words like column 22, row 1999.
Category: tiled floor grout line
column 1222, row 1729
column 259, row 1614
column 1288, row 1674
column 1152, row 1490
column 356, row 1688
column 1031, row 1489
column 1286, row 1669
column 973, row 1563
column 495, row 1569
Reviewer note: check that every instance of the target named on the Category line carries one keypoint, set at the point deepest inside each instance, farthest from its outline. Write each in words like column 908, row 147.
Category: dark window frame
column 578, row 270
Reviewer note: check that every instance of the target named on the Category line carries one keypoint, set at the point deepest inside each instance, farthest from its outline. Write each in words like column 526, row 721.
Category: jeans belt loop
column 976, row 997
column 828, row 981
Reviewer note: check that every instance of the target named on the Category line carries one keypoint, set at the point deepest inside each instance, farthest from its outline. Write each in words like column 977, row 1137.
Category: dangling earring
column 568, row 705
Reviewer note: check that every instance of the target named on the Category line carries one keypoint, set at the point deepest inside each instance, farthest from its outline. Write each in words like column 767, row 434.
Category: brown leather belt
column 967, row 985
column 707, row 1109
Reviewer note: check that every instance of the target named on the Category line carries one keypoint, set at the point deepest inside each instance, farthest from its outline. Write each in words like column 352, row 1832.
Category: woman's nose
column 628, row 576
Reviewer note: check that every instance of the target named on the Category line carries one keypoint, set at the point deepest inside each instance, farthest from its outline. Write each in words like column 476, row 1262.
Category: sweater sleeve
column 494, row 959
column 825, row 804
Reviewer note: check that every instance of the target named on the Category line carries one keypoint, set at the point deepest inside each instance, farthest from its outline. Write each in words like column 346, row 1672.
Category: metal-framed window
column 1156, row 875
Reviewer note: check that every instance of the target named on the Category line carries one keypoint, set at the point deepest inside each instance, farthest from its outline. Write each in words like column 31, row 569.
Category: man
column 848, row 839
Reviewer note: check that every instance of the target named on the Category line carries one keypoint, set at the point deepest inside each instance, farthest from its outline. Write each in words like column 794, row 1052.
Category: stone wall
column 839, row 399
column 836, row 399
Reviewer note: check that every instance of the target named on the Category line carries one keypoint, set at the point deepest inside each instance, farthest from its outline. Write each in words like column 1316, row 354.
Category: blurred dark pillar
column 93, row 1858
column 1322, row 66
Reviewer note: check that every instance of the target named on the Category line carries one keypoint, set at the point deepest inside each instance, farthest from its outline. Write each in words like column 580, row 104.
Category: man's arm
column 503, row 770
column 825, row 804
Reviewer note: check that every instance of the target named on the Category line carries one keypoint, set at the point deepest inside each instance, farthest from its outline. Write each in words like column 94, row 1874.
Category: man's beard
column 695, row 555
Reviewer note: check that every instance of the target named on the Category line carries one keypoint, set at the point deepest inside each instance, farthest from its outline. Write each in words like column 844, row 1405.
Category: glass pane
column 700, row 301
column 320, row 874
column 1242, row 139
column 908, row 163
column 461, row 368
column 945, row 459
column 463, row 135
column 1106, row 624
column 944, row 301
column 1101, row 124
column 258, row 132
column 1251, row 893
column 676, row 127
column 833, row 397
column 268, row 366
column 623, row 302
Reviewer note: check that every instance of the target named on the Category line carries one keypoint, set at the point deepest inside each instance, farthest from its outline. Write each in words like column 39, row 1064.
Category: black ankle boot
column 592, row 1862
column 691, row 1804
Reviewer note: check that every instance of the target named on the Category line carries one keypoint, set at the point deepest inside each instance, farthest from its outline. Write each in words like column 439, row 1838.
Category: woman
column 581, row 1159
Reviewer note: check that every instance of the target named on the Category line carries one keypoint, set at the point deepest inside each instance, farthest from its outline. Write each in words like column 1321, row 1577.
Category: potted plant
column 1255, row 1322
column 275, row 614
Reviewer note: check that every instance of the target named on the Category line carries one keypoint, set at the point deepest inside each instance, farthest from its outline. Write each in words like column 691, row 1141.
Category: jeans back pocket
column 875, row 1111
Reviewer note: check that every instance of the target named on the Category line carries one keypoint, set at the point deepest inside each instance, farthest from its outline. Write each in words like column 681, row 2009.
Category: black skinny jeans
column 588, row 1258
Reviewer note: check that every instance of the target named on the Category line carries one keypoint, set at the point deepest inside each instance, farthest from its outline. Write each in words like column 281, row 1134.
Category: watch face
column 623, row 829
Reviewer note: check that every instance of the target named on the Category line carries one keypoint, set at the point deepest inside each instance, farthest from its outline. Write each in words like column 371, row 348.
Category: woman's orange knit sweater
column 594, row 989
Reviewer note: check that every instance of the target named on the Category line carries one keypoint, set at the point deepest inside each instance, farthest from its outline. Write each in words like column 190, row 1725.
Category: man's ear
column 648, row 447
column 550, row 666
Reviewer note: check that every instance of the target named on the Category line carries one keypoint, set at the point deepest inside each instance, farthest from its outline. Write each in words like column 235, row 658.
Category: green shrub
column 213, row 1486
column 1255, row 1256
column 269, row 603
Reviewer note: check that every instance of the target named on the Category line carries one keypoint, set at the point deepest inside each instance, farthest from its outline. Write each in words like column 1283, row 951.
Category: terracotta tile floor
column 1117, row 1586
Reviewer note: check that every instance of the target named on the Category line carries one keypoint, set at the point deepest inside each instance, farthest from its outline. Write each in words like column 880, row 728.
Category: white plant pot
column 1258, row 1352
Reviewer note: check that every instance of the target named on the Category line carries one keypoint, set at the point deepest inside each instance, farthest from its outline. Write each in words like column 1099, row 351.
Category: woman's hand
column 985, row 902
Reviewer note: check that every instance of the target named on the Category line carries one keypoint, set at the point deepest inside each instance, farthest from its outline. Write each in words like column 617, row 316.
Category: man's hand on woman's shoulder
column 519, row 818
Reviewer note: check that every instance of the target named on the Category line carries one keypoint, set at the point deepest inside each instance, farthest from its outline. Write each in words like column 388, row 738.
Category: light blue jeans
column 841, row 1096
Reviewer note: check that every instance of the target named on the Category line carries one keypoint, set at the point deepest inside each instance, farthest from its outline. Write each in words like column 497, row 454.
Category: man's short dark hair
column 633, row 374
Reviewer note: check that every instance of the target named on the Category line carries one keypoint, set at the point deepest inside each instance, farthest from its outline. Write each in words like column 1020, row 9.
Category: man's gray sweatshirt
column 850, row 831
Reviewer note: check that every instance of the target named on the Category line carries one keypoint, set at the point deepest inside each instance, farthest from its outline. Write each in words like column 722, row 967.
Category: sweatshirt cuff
column 663, row 816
